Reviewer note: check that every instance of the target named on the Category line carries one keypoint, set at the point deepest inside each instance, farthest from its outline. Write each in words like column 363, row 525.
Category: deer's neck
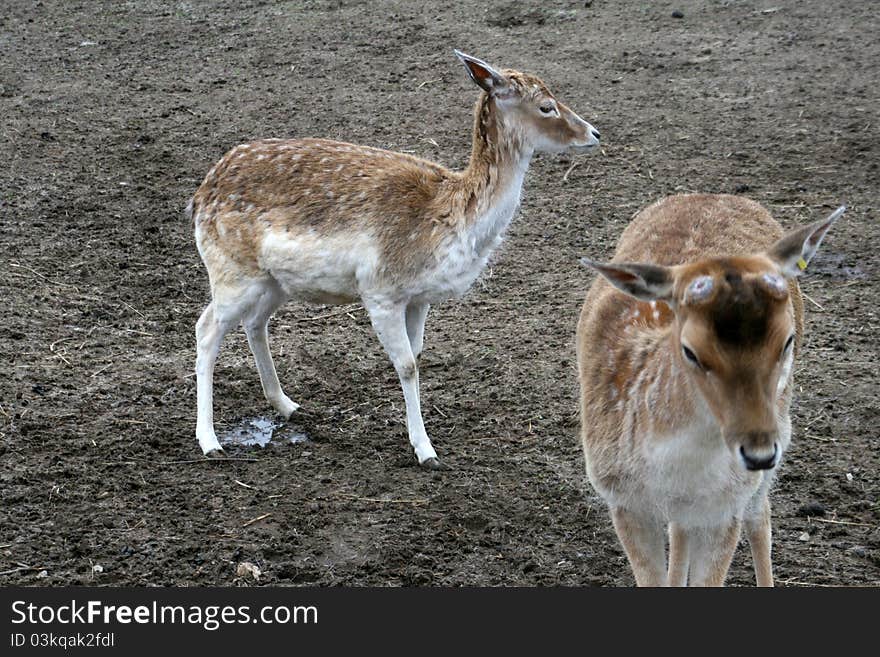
column 648, row 384
column 489, row 189
column 675, row 390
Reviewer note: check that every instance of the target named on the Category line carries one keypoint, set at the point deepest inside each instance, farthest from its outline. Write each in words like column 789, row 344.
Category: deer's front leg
column 759, row 533
column 389, row 322
column 644, row 541
column 677, row 573
column 712, row 551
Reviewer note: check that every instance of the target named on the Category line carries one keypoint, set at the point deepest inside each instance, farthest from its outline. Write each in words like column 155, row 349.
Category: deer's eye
column 691, row 357
column 547, row 108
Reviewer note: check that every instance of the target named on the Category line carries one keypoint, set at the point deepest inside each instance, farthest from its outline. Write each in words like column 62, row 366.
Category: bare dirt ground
column 112, row 112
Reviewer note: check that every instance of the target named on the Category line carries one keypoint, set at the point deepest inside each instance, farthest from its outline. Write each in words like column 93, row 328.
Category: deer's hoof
column 286, row 407
column 216, row 453
column 434, row 463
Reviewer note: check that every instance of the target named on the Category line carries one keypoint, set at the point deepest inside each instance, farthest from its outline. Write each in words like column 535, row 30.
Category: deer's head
column 522, row 104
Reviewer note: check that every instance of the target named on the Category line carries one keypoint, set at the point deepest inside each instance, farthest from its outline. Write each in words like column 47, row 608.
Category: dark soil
column 111, row 113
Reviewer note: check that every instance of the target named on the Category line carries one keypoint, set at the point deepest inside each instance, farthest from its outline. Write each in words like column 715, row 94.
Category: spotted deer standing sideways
column 686, row 381
column 331, row 222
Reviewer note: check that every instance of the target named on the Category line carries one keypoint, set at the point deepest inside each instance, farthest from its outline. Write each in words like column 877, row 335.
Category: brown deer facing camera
column 685, row 352
column 331, row 222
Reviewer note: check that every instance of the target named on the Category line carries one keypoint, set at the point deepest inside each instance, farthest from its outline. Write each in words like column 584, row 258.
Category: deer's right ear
column 486, row 77
column 795, row 250
column 646, row 282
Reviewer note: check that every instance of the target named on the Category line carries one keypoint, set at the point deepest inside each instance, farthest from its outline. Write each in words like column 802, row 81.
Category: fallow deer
column 332, row 222
column 686, row 381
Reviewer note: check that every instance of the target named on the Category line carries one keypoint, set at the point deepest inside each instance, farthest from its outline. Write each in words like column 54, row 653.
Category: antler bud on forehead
column 773, row 284
column 699, row 290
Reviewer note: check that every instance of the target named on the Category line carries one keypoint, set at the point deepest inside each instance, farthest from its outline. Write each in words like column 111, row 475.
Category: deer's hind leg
column 267, row 297
column 209, row 335
column 250, row 301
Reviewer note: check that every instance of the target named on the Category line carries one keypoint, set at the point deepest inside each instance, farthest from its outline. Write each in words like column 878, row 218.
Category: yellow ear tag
column 802, row 264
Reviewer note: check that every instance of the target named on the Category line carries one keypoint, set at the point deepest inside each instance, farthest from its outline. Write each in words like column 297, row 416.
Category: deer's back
column 315, row 187
column 689, row 227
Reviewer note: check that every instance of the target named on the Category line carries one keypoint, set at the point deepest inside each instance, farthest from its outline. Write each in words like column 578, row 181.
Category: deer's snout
column 590, row 136
column 759, row 450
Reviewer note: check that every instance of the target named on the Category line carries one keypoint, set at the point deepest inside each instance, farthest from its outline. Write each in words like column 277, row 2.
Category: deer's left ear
column 793, row 252
column 487, row 78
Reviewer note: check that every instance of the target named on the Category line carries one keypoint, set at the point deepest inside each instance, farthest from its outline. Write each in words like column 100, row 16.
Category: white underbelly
column 347, row 266
column 325, row 269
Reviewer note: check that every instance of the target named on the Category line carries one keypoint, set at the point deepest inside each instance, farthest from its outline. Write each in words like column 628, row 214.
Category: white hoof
column 285, row 406
column 210, row 445
column 424, row 453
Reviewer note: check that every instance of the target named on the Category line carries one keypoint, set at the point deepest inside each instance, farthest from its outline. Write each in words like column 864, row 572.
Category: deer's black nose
column 759, row 461
column 595, row 132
